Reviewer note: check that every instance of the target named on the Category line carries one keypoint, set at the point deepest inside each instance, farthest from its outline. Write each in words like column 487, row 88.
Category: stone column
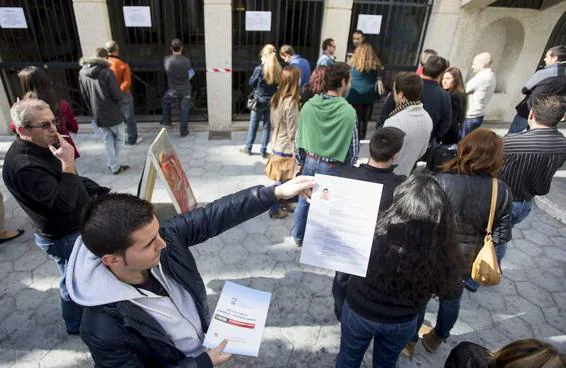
column 218, row 46
column 93, row 24
column 336, row 25
column 443, row 22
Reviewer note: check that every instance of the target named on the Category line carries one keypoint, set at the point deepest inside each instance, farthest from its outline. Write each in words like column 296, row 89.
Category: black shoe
column 470, row 289
column 73, row 332
column 166, row 125
column 121, row 169
column 184, row 134
column 264, row 155
column 299, row 243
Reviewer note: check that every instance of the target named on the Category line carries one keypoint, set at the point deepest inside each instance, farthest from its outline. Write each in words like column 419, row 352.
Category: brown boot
column 409, row 350
column 431, row 341
column 280, row 214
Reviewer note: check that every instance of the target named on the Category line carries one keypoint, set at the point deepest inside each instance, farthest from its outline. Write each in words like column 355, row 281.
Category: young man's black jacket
column 124, row 335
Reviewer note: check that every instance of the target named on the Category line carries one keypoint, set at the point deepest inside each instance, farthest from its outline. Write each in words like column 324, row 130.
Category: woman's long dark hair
column 34, row 79
column 415, row 253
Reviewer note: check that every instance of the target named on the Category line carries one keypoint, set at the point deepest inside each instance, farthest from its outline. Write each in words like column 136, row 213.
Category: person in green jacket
column 327, row 137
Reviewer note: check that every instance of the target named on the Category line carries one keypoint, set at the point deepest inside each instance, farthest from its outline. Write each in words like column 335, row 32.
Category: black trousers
column 363, row 113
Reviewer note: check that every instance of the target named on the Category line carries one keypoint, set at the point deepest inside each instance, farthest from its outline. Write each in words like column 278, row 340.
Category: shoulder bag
column 379, row 86
column 252, row 98
column 485, row 269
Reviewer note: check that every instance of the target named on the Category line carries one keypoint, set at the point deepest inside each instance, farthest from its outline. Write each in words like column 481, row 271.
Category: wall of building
column 515, row 37
column 458, row 29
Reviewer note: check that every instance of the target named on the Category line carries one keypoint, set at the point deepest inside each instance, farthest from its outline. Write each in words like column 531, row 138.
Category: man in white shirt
column 479, row 89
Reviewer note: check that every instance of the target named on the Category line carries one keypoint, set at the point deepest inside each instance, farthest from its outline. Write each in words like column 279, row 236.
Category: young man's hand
column 301, row 185
column 217, row 355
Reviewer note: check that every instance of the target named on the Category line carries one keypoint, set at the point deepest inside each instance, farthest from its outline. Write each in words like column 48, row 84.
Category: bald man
column 479, row 89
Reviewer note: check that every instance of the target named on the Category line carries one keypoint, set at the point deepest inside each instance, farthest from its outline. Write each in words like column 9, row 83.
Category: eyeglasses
column 43, row 124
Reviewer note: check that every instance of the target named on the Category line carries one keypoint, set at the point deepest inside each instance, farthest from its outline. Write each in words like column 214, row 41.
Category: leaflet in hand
column 341, row 224
column 240, row 318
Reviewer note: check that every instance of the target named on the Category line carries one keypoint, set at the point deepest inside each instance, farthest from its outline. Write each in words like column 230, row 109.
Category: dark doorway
column 294, row 22
column 51, row 41
column 145, row 47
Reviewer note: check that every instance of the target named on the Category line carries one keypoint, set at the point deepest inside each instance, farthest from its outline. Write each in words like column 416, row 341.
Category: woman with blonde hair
column 284, row 120
column 528, row 353
column 264, row 82
column 365, row 71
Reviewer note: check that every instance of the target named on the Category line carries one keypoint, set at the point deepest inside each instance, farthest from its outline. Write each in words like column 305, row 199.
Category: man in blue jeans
column 327, row 137
column 533, row 157
column 177, row 67
column 551, row 80
column 39, row 171
column 480, row 89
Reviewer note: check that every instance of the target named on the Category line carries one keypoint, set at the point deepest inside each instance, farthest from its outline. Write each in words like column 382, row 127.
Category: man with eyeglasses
column 327, row 57
column 39, row 171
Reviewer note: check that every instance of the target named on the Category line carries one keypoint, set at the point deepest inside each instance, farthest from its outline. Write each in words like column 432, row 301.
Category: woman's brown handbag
column 279, row 168
column 485, row 269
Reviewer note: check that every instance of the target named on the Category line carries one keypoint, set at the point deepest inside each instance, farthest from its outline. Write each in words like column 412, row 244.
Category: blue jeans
column 518, row 124
column 60, row 250
column 263, row 114
column 113, row 138
column 519, row 212
column 184, row 101
column 470, row 124
column 357, row 332
column 311, row 167
column 128, row 111
column 448, row 311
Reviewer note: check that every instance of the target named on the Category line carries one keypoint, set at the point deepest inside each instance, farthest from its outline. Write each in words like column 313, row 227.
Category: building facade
column 224, row 50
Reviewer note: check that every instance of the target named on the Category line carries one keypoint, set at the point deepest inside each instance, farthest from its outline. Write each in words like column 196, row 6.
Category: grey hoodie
column 90, row 283
column 101, row 92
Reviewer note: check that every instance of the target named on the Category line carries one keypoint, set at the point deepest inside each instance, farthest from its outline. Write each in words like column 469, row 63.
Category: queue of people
column 133, row 292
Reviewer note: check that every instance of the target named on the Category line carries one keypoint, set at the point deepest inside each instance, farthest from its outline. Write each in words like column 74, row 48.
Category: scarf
column 403, row 105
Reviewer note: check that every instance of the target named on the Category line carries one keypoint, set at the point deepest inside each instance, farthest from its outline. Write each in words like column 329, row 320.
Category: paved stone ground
column 301, row 330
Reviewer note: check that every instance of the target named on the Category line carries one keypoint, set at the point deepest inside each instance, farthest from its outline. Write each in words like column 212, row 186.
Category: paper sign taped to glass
column 341, row 224
column 239, row 317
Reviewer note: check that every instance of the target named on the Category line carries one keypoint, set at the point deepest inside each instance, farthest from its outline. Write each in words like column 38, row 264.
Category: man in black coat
column 39, row 171
column 436, row 101
column 145, row 301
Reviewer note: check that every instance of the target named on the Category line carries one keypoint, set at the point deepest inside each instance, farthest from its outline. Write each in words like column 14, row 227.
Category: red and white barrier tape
column 218, row 70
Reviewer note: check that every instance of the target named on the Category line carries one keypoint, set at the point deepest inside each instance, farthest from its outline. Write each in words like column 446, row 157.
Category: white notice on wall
column 369, row 24
column 258, row 21
column 12, row 18
column 137, row 16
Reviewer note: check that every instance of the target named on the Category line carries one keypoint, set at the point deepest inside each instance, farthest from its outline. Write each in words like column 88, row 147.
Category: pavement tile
column 301, row 329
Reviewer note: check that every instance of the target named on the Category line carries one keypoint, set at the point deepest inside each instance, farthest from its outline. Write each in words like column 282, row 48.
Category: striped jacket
column 531, row 160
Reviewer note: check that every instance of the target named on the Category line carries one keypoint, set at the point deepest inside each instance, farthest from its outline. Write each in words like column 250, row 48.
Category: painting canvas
column 162, row 159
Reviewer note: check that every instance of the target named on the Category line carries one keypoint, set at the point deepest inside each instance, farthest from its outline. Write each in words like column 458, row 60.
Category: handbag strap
column 493, row 205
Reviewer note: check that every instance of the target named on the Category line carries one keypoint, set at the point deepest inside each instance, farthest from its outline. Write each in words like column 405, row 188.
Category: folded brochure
column 240, row 318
